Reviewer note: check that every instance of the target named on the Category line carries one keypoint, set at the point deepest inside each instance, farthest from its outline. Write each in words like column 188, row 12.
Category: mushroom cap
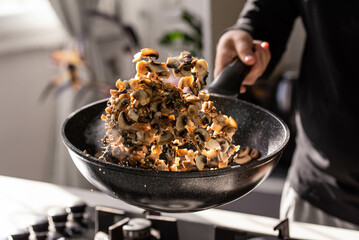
column 123, row 123
column 181, row 122
column 165, row 138
column 149, row 52
column 203, row 133
column 140, row 94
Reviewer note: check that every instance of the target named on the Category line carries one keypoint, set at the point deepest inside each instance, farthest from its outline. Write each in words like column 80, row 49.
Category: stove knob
column 77, row 207
column 77, row 213
column 57, row 215
column 57, row 223
column 19, row 234
column 39, row 229
column 77, row 223
column 137, row 228
column 39, row 225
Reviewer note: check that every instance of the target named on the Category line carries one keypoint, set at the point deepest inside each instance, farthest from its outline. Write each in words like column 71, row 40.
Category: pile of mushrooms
column 155, row 125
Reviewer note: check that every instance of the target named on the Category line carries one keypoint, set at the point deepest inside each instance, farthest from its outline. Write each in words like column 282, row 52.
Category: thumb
column 223, row 58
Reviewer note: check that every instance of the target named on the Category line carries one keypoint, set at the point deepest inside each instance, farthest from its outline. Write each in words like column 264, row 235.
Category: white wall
column 27, row 126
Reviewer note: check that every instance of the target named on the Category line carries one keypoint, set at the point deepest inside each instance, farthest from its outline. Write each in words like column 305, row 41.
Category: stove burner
column 115, row 224
column 137, row 228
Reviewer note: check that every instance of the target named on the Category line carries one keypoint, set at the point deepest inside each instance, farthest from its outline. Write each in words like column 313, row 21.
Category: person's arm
column 270, row 23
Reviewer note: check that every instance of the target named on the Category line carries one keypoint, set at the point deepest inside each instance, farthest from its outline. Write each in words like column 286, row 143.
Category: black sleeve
column 271, row 21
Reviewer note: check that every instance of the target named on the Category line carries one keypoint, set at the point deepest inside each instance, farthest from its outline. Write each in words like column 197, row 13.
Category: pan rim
column 140, row 171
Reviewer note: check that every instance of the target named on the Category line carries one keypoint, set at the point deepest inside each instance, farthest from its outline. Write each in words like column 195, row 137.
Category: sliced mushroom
column 140, row 135
column 165, row 138
column 142, row 68
column 147, row 117
column 220, row 118
column 156, row 106
column 192, row 110
column 181, row 133
column 186, row 55
column 133, row 115
column 120, row 85
column 185, row 82
column 254, row 154
column 123, row 102
column 161, row 165
column 149, row 52
column 123, row 123
column 134, row 84
column 201, row 162
column 213, row 144
column 185, row 71
column 244, row 152
column 233, row 149
column 203, row 96
column 192, row 99
column 206, row 120
column 201, row 67
column 186, row 164
column 207, row 106
column 216, row 126
column 145, row 52
column 172, row 62
column 242, row 160
column 212, row 158
column 223, row 156
column 160, row 69
column 141, row 96
column 181, row 122
column 197, row 120
column 224, row 144
column 202, row 133
column 182, row 152
column 232, row 123
column 195, row 88
column 229, row 131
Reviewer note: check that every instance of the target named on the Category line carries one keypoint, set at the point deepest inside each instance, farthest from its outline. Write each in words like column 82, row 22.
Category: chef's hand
column 239, row 43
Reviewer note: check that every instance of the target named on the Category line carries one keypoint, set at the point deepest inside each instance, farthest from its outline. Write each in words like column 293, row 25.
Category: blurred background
column 58, row 55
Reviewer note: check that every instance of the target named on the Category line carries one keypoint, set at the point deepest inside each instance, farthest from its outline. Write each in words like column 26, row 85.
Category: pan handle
column 230, row 79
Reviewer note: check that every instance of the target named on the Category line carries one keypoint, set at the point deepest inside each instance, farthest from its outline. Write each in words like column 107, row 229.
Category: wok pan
column 180, row 191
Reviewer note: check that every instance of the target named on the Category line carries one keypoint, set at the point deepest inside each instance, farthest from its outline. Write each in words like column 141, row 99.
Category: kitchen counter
column 21, row 200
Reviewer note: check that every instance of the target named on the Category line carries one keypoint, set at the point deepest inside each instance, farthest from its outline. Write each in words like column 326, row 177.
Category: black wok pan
column 180, row 191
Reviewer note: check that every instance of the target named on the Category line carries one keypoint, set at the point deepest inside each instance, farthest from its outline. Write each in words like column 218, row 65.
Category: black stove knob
column 58, row 223
column 40, row 224
column 39, row 229
column 77, row 223
column 77, row 207
column 137, row 228
column 19, row 234
column 57, row 215
column 77, row 212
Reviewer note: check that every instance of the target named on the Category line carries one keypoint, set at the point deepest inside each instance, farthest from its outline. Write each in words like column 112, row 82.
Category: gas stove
column 37, row 210
column 82, row 222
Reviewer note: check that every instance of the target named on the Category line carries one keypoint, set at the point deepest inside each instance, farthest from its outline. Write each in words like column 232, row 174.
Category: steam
column 94, row 135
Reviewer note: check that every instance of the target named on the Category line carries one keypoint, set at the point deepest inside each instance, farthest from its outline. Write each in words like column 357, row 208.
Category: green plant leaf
column 170, row 37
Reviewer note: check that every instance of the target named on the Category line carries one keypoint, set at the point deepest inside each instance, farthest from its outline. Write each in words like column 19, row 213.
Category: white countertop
column 21, row 199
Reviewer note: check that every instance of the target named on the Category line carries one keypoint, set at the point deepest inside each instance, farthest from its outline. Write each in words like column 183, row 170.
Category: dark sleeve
column 271, row 21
